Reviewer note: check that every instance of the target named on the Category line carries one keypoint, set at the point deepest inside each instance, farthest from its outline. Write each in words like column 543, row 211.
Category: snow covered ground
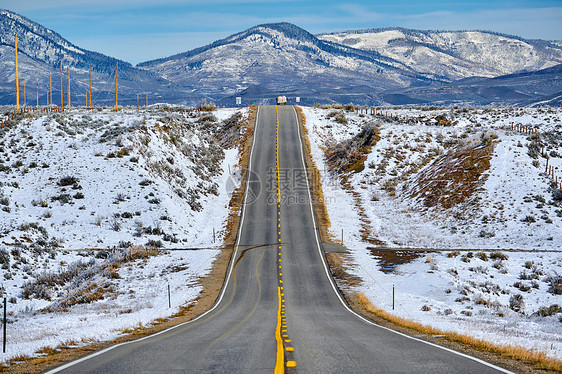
column 81, row 180
column 464, row 186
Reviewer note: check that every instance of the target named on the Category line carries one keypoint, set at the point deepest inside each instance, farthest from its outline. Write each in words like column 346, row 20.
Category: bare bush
column 517, row 303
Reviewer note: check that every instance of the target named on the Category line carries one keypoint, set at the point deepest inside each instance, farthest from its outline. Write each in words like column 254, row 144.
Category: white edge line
column 336, row 291
column 217, row 303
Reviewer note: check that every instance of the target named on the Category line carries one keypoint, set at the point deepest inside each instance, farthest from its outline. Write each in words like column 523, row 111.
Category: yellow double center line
column 281, row 335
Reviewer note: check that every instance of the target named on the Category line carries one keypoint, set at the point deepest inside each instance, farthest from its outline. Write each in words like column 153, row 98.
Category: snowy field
column 101, row 211
column 469, row 185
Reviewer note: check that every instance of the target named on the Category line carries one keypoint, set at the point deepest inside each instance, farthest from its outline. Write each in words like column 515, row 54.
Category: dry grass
column 314, row 178
column 235, row 203
column 536, row 359
column 47, row 351
column 339, row 264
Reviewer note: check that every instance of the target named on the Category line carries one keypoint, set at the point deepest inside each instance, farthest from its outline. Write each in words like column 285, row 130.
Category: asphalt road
column 279, row 307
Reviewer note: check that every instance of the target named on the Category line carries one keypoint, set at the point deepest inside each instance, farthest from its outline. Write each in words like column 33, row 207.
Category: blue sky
column 140, row 30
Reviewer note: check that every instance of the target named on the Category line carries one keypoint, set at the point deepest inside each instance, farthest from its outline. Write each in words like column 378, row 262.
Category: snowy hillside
column 432, row 182
column 395, row 66
column 454, row 54
column 90, row 200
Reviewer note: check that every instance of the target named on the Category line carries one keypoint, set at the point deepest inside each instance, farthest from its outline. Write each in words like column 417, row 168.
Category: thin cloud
column 540, row 23
column 360, row 14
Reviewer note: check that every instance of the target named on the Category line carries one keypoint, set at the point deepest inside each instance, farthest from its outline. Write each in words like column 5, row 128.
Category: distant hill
column 529, row 88
column 454, row 54
column 379, row 66
column 375, row 67
column 282, row 58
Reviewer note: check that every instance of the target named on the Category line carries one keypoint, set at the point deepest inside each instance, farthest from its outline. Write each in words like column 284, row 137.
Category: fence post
column 169, row 297
column 392, row 297
column 4, row 328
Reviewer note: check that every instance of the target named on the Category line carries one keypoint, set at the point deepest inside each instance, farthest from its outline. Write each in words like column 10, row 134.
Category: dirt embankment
column 315, row 181
column 454, row 178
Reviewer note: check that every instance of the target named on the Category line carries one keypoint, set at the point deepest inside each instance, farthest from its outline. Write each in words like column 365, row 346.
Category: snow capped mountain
column 374, row 67
column 281, row 57
column 370, row 66
column 454, row 54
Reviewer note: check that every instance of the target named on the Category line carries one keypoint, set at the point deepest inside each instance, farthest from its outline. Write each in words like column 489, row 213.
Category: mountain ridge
column 407, row 29
column 375, row 66
column 455, row 54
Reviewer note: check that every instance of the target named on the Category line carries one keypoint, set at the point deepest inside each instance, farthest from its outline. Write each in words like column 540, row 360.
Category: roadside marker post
column 169, row 297
column 4, row 322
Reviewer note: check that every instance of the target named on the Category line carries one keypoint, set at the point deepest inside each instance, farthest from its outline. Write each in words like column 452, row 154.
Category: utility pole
column 61, row 93
column 50, row 90
column 116, row 85
column 90, row 76
column 37, row 80
column 68, row 87
column 17, row 79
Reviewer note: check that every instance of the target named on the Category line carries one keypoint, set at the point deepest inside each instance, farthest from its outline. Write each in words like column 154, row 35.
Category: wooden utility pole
column 37, row 80
column 116, row 85
column 90, row 76
column 68, row 90
column 50, row 90
column 24, row 95
column 17, row 79
column 61, row 93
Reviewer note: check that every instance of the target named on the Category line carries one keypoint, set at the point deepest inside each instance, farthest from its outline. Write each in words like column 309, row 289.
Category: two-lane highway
column 279, row 306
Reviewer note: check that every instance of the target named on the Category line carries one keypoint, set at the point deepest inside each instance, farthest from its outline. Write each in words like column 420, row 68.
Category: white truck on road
column 281, row 100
